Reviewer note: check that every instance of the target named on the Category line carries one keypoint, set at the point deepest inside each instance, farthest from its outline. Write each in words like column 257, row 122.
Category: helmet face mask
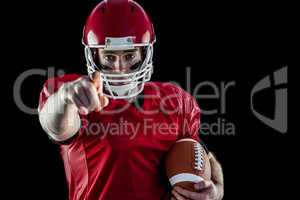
column 115, row 31
column 120, row 84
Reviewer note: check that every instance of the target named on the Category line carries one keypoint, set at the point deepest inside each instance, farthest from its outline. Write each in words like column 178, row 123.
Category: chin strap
column 122, row 90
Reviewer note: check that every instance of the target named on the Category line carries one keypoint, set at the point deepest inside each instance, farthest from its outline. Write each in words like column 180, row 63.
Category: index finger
column 97, row 81
column 186, row 193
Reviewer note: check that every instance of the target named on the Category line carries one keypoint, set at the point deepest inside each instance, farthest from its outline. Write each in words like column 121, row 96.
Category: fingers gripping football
column 86, row 94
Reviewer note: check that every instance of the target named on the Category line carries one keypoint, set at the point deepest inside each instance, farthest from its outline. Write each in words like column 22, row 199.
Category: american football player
column 113, row 126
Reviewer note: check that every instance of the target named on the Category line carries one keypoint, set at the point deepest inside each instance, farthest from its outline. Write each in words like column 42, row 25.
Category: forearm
column 59, row 119
column 217, row 176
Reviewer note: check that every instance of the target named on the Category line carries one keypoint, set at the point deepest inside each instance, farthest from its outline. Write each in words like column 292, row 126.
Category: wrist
column 64, row 98
column 220, row 191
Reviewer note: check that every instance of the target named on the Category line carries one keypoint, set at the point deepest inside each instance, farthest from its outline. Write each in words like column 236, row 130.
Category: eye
column 110, row 58
column 130, row 57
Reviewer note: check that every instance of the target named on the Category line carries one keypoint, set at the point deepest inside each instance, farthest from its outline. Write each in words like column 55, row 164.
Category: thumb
column 104, row 101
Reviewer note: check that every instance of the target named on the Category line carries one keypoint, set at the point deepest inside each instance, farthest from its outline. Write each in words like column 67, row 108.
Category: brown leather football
column 187, row 163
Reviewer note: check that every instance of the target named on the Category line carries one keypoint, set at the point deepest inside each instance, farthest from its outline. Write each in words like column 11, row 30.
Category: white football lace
column 198, row 156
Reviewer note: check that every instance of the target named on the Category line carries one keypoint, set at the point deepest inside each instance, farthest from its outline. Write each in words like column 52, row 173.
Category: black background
column 219, row 41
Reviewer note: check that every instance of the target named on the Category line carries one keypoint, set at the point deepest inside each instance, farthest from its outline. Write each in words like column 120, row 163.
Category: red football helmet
column 116, row 25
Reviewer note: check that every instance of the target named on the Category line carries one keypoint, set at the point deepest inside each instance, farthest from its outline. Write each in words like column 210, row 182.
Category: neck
column 130, row 100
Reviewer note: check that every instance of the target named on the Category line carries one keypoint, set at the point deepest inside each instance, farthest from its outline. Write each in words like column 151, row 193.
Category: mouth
column 120, row 84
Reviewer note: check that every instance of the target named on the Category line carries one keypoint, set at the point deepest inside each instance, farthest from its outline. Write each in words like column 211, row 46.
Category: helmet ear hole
column 132, row 9
column 103, row 9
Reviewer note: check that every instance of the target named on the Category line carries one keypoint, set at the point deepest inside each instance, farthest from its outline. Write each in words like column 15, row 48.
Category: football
column 187, row 163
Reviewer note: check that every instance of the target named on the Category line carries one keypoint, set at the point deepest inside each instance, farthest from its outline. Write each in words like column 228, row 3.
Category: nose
column 120, row 66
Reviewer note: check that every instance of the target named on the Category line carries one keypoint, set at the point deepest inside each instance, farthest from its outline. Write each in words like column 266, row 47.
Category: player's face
column 124, row 61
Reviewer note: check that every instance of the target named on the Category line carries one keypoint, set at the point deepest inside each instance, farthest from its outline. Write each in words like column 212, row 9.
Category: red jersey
column 119, row 152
